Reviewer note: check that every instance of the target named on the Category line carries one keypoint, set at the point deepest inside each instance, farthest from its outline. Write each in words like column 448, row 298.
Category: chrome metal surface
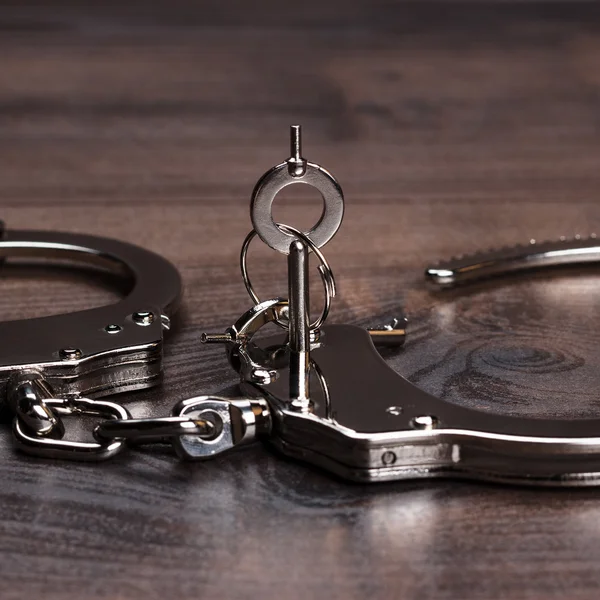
column 252, row 363
column 424, row 422
column 70, row 353
column 27, row 395
column 48, row 447
column 368, row 423
column 296, row 170
column 79, row 353
column 391, row 334
column 143, row 317
column 324, row 270
column 165, row 321
column 354, row 433
column 501, row 261
column 299, row 337
column 296, row 164
column 250, row 322
column 251, row 369
column 155, row 429
column 362, row 420
column 237, row 422
column 216, row 338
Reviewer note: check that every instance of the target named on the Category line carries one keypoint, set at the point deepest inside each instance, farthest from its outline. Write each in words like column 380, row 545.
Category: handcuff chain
column 199, row 428
column 38, row 427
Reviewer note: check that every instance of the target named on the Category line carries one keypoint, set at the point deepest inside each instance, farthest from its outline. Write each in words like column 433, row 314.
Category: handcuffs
column 318, row 393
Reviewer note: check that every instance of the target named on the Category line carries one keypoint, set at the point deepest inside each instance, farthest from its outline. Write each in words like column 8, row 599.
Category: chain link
column 199, row 428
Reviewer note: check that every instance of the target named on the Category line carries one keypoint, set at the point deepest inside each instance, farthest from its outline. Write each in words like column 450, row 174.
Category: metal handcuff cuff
column 318, row 393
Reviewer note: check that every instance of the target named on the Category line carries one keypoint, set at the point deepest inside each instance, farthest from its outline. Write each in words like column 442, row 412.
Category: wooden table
column 452, row 126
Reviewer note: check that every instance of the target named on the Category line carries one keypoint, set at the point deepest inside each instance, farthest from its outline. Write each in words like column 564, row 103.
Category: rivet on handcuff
column 319, row 393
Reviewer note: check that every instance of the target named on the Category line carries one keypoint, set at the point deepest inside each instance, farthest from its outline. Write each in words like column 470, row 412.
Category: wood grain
column 452, row 126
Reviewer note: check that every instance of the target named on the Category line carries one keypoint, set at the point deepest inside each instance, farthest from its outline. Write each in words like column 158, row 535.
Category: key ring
column 324, row 269
column 102, row 350
column 296, row 170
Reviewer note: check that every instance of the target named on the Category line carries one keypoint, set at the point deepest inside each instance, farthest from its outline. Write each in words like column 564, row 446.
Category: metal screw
column 388, row 458
column 262, row 376
column 143, row 318
column 113, row 328
column 70, row 353
column 394, row 410
column 424, row 422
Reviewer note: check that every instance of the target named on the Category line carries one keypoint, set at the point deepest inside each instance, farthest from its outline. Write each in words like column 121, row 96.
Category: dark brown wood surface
column 453, row 127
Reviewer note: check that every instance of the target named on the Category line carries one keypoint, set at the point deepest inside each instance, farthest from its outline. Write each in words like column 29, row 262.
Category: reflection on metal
column 367, row 423
column 324, row 271
column 79, row 353
column 299, row 338
column 423, row 436
column 296, row 171
column 49, row 365
column 320, row 394
column 502, row 261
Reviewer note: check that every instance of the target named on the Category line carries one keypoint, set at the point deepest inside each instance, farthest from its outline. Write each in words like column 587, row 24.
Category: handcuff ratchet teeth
column 464, row 269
